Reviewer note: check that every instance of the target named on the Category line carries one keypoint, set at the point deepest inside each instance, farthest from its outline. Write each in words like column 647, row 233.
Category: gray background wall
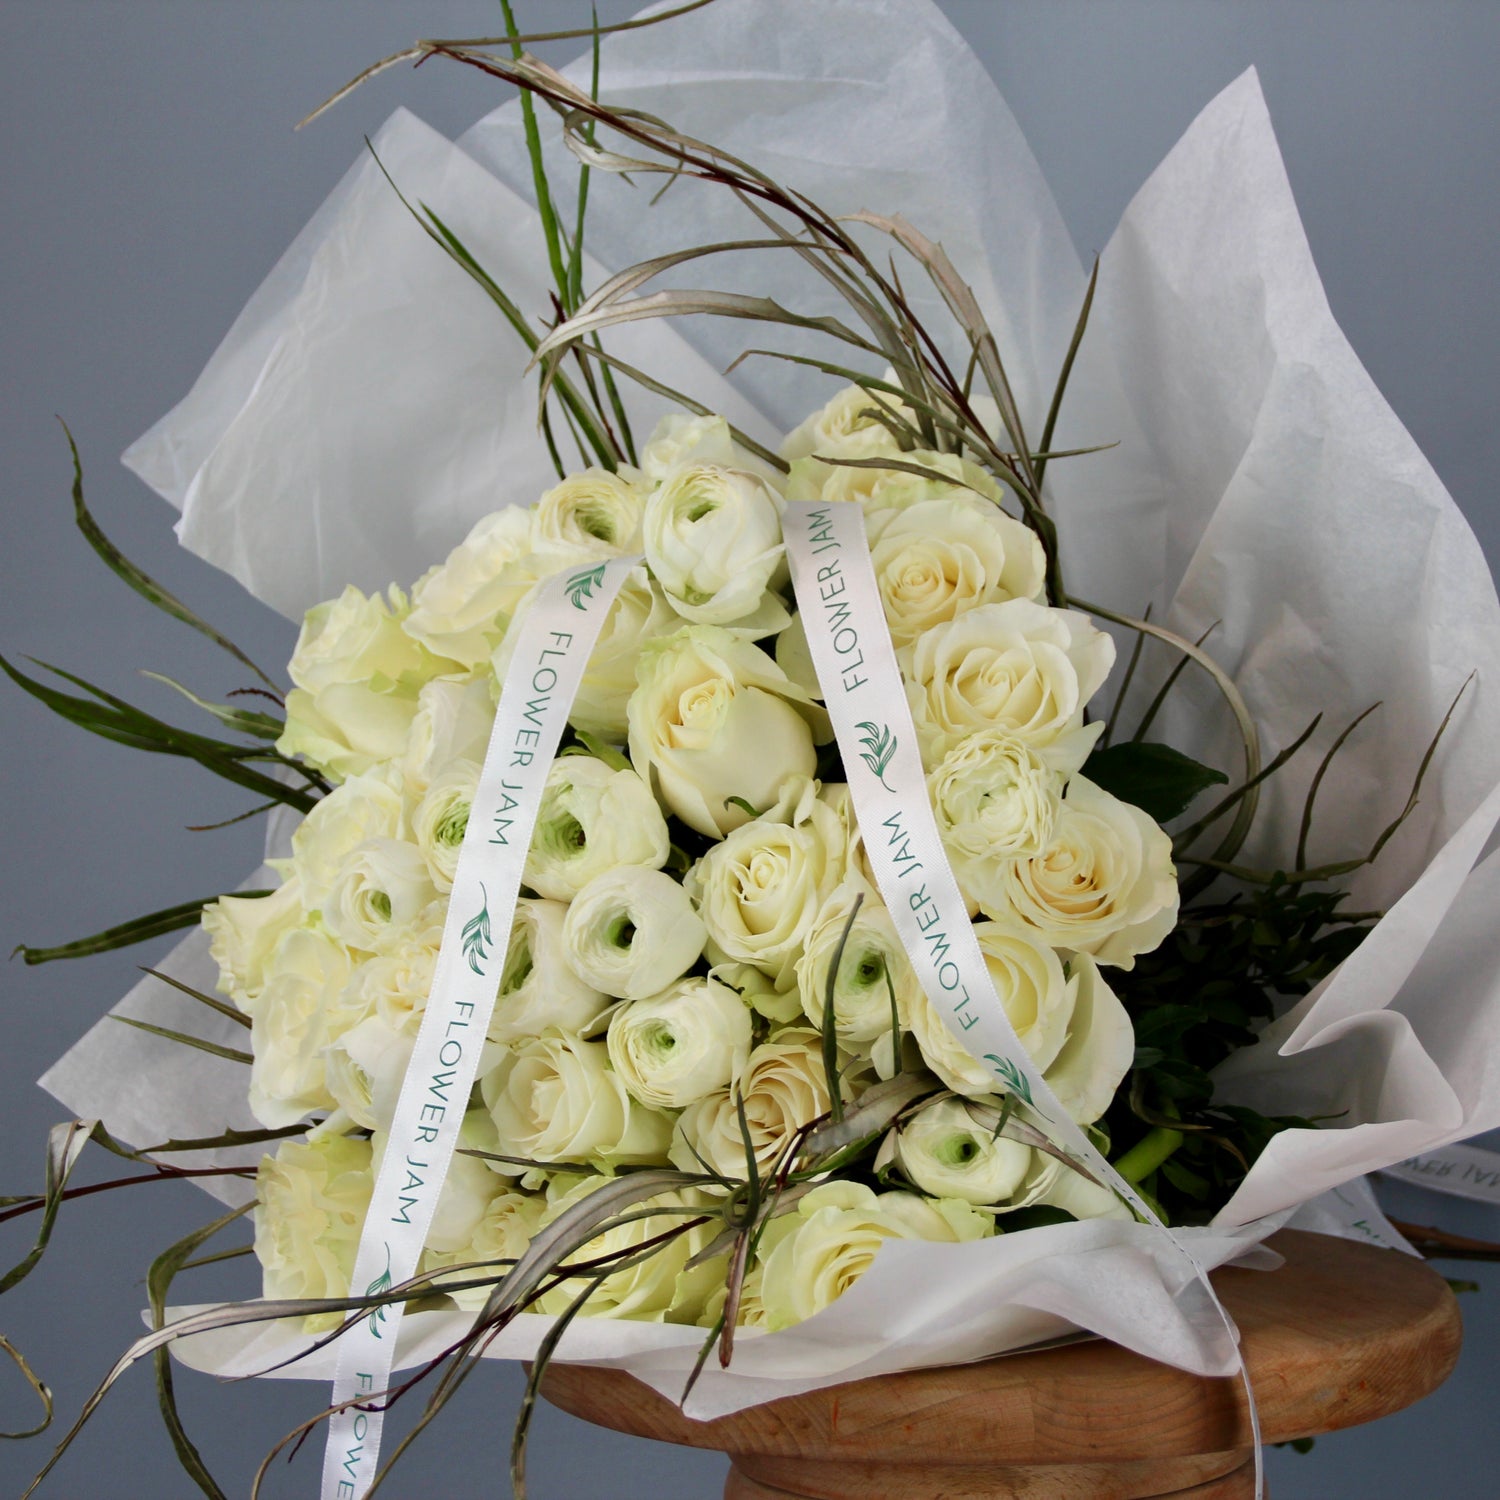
column 150, row 178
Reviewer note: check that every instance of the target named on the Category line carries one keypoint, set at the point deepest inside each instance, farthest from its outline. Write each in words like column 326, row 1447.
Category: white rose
column 594, row 510
column 783, row 1087
column 312, row 1198
column 939, row 559
column 364, row 1069
column 243, row 932
column 592, row 818
column 461, row 607
column 946, row 476
column 713, row 540
column 995, row 800
column 1105, row 884
column 452, row 722
column 440, row 819
column 382, row 887
column 946, row 1153
column 839, row 1229
column 639, row 612
column 364, row 807
column 1100, row 1046
column 630, row 932
column 660, row 1287
column 468, row 1190
column 394, row 985
column 538, row 987
column 347, row 729
column 714, row 717
column 846, row 428
column 300, row 1014
column 556, row 1099
column 504, row 1230
column 673, row 1048
column 873, row 968
column 1017, row 666
column 760, row 889
column 358, row 639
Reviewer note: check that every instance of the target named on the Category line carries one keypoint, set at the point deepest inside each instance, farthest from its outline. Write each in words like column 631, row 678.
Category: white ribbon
column 844, row 621
column 552, row 650
column 1461, row 1171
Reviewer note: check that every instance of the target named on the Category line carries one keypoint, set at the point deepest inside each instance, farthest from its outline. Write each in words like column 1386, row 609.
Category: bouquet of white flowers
column 735, row 905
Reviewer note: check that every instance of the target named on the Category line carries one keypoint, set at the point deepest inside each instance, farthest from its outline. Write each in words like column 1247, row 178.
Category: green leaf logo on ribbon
column 1013, row 1078
column 476, row 936
column 582, row 584
column 382, row 1283
column 880, row 746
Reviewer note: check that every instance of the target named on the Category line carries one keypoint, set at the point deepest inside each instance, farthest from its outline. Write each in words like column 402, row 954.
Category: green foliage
column 1159, row 780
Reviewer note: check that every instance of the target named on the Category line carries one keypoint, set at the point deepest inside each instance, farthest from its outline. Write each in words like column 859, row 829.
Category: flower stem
column 1148, row 1154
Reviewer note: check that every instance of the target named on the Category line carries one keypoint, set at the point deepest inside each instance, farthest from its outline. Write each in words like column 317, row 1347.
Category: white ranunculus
column 681, row 439
column 1052, row 1182
column 592, row 818
column 301, row 1012
column 381, row 888
column 1104, row 885
column 673, row 1048
column 630, row 932
column 714, row 717
column 538, row 987
column 502, row 1233
column 713, row 540
column 939, row 559
column 995, row 800
column 556, row 1099
column 593, row 510
column 1100, row 1046
column 873, row 968
column 838, row 1229
column 661, row 1287
column 312, row 1197
column 783, row 1087
column 441, row 817
column 760, row 889
column 638, row 613
column 452, row 722
column 461, row 607
column 1018, row 666
column 364, row 807
column 945, row 1152
column 364, row 1069
column 243, row 932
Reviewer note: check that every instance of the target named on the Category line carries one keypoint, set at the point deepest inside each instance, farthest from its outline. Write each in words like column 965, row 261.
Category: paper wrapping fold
column 1260, row 481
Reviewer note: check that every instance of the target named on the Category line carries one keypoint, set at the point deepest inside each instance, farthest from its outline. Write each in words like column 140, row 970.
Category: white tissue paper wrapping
column 369, row 406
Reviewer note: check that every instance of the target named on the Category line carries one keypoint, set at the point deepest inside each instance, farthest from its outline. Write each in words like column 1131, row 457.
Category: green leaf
column 245, row 720
column 211, row 1001
column 1159, row 780
column 476, row 935
column 153, row 925
column 230, row 1054
column 65, row 1145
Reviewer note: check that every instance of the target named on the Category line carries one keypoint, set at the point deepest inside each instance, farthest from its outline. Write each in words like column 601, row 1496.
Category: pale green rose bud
column 593, row 818
column 453, row 720
column 538, row 986
column 946, row 1153
column 630, row 932
column 1105, row 884
column 243, row 932
column 440, row 819
column 368, row 806
column 672, row 1049
column 312, row 1198
column 713, row 540
column 1021, row 667
column 756, row 990
column 873, row 971
column 595, row 511
column 381, row 889
column 556, row 1099
column 715, row 718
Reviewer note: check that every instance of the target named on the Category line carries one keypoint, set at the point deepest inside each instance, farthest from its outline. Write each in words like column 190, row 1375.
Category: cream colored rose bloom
column 1105, row 885
column 312, row 1198
column 662, row 1288
column 639, row 612
column 506, row 1227
column 714, row 717
column 631, row 932
column 347, row 729
column 364, row 807
column 395, row 985
column 844, row 428
column 681, row 439
column 947, row 1153
column 938, row 559
column 760, row 889
column 1020, row 667
column 946, row 476
column 872, row 969
column 592, row 818
column 452, row 722
column 783, row 1086
column 555, row 1098
column 839, row 1229
column 538, row 986
column 381, row 889
column 593, row 511
column 1100, row 1046
column 243, row 932
column 461, row 607
column 673, row 1048
column 994, row 799
column 301, row 1012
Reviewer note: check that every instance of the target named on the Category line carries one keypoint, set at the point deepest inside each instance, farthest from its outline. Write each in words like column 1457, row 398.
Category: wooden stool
column 1340, row 1335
